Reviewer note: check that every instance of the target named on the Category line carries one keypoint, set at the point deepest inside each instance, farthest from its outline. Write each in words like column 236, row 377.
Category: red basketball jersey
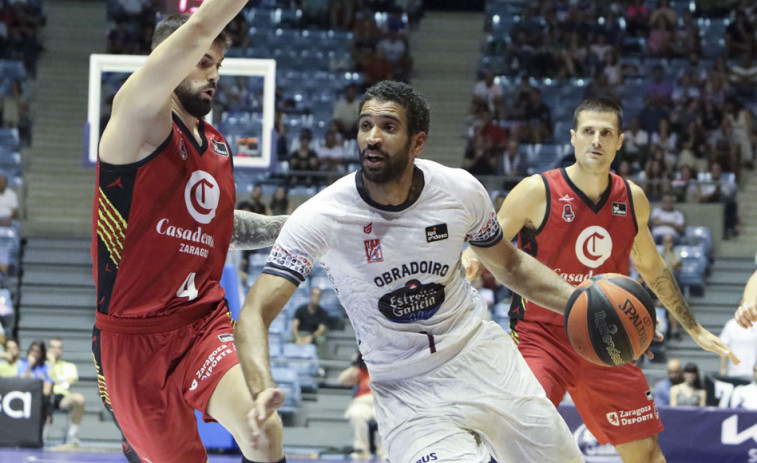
column 578, row 238
column 162, row 226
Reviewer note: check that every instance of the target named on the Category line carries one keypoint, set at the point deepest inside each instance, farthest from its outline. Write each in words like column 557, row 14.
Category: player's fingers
column 735, row 360
column 254, row 427
column 658, row 336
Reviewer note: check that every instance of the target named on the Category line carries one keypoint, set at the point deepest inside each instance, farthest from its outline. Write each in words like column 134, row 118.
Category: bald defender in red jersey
column 163, row 222
column 582, row 221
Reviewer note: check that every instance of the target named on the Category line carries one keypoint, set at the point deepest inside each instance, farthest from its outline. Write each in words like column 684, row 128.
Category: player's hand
column 471, row 264
column 267, row 402
column 658, row 336
column 712, row 343
column 746, row 314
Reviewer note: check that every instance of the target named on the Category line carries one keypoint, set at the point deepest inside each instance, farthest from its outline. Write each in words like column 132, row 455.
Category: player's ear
column 418, row 143
column 572, row 137
column 620, row 142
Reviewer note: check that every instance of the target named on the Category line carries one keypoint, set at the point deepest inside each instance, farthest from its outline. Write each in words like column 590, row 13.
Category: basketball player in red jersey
column 163, row 222
column 582, row 221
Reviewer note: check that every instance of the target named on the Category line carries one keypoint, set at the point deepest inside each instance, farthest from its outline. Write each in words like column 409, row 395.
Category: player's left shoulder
column 453, row 179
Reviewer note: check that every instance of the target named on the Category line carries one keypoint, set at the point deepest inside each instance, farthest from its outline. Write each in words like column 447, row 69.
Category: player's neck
column 396, row 193
column 592, row 183
column 189, row 120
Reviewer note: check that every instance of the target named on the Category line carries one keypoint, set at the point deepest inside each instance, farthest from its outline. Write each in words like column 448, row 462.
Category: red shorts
column 615, row 403
column 152, row 383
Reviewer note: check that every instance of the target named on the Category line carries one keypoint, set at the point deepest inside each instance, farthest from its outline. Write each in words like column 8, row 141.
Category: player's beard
column 193, row 101
column 393, row 166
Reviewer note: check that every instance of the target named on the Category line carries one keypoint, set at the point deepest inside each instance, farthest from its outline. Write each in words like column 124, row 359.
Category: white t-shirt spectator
column 743, row 343
column 393, row 49
column 8, row 203
column 674, row 216
column 632, row 143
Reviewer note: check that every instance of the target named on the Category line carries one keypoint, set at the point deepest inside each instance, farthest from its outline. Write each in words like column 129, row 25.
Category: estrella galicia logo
column 413, row 302
column 436, row 233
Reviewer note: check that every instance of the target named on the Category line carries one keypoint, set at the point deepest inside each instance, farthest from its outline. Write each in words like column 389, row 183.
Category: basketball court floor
column 95, row 455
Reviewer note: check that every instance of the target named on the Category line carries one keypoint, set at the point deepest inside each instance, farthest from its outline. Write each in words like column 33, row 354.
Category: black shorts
column 57, row 398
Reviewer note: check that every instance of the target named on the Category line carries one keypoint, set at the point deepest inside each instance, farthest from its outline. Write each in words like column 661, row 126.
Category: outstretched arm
column 746, row 314
column 660, row 278
column 255, row 231
column 265, row 301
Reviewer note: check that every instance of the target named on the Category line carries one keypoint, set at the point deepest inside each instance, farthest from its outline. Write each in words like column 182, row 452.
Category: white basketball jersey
column 396, row 269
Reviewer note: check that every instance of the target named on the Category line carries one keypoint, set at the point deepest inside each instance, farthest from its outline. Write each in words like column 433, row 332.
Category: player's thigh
column 646, row 450
column 426, row 440
column 230, row 404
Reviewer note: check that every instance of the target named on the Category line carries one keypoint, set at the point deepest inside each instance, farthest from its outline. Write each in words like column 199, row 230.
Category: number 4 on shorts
column 187, row 289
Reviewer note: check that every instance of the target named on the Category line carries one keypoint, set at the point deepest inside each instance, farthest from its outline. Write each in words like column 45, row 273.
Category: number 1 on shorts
column 187, row 289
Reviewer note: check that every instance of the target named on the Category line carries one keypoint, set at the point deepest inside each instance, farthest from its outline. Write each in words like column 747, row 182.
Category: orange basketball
column 610, row 319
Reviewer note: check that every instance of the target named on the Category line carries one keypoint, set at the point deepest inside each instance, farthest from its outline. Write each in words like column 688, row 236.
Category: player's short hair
column 416, row 108
column 600, row 104
column 169, row 25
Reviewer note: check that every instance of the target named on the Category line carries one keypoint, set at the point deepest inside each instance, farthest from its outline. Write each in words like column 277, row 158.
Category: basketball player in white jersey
column 448, row 386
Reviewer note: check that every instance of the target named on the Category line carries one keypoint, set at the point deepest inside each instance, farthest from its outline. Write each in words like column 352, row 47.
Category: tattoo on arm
column 667, row 290
column 255, row 231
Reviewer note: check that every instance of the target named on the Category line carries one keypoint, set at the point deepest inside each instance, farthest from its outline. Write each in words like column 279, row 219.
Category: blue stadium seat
column 303, row 360
column 288, row 381
column 694, row 268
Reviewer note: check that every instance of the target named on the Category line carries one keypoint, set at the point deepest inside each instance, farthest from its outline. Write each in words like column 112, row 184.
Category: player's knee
column 78, row 399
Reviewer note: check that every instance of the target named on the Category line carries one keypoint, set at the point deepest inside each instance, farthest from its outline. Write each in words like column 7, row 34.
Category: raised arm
column 265, row 301
column 658, row 276
column 255, row 231
column 141, row 116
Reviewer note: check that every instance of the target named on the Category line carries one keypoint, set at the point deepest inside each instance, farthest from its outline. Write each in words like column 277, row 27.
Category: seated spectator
column 740, row 120
column 723, row 148
column 654, row 179
column 666, row 141
column 666, row 220
column 662, row 388
column 8, row 202
column 64, row 375
column 254, row 203
column 743, row 76
column 659, row 88
column 514, row 164
column 635, row 145
column 279, row 204
column 687, row 36
column 376, row 67
column 340, row 13
column 743, row 343
column 538, row 120
column 16, row 113
column 574, row 57
column 487, row 93
column 689, row 393
column 715, row 189
column 346, row 112
column 663, row 15
column 365, row 31
column 9, row 359
column 746, row 396
column 361, row 411
column 693, row 152
column 739, row 36
column 331, row 155
column 651, row 114
column 397, row 53
column 304, row 158
column 684, row 186
column 309, row 323
column 480, row 157
column 670, row 256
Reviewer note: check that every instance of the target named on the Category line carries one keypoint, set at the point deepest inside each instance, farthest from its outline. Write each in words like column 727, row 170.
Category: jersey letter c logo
column 201, row 196
column 593, row 246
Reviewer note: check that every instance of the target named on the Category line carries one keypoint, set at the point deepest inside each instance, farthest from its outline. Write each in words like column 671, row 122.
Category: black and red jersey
column 162, row 226
column 578, row 238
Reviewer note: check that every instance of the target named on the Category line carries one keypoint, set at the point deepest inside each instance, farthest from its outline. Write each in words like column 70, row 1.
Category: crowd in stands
column 683, row 70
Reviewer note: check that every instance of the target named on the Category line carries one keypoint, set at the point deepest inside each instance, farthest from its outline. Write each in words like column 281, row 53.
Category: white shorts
column 484, row 406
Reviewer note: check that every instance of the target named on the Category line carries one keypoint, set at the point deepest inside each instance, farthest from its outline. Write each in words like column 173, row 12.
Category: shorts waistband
column 413, row 368
column 149, row 325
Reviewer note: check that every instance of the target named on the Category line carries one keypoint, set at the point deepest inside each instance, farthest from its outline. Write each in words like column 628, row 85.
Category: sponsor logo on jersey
column 220, row 147
column 620, row 209
column 426, row 458
column 574, row 277
column 201, row 196
column 409, row 269
column 629, row 417
column 566, row 198
column 567, row 213
column 115, row 183
column 612, row 417
column 593, row 246
column 194, row 385
column 212, row 361
column 368, row 228
column 414, row 301
column 226, row 337
column 436, row 233
column 373, row 251
column 182, row 149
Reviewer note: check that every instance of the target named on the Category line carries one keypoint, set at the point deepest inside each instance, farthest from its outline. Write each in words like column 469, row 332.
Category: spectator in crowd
column 663, row 15
column 8, row 202
column 514, row 164
column 346, row 113
column 255, row 202
column 365, row 31
column 687, row 36
column 739, row 36
column 361, row 411
column 304, row 158
column 655, row 180
column 574, row 57
column 376, row 66
column 9, row 359
column 670, row 256
column 716, row 189
column 743, row 343
column 637, row 18
column 396, row 51
column 723, row 148
column 684, row 186
column 740, row 120
column 659, row 88
column 689, row 393
column 538, row 120
column 239, row 30
column 331, row 156
column 121, row 39
column 651, row 114
column 693, row 154
column 309, row 323
column 486, row 92
column 34, row 366
column 667, row 220
column 666, row 141
column 746, row 396
column 635, row 145
column 662, row 388
column 279, row 204
column 64, row 375
column 743, row 76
